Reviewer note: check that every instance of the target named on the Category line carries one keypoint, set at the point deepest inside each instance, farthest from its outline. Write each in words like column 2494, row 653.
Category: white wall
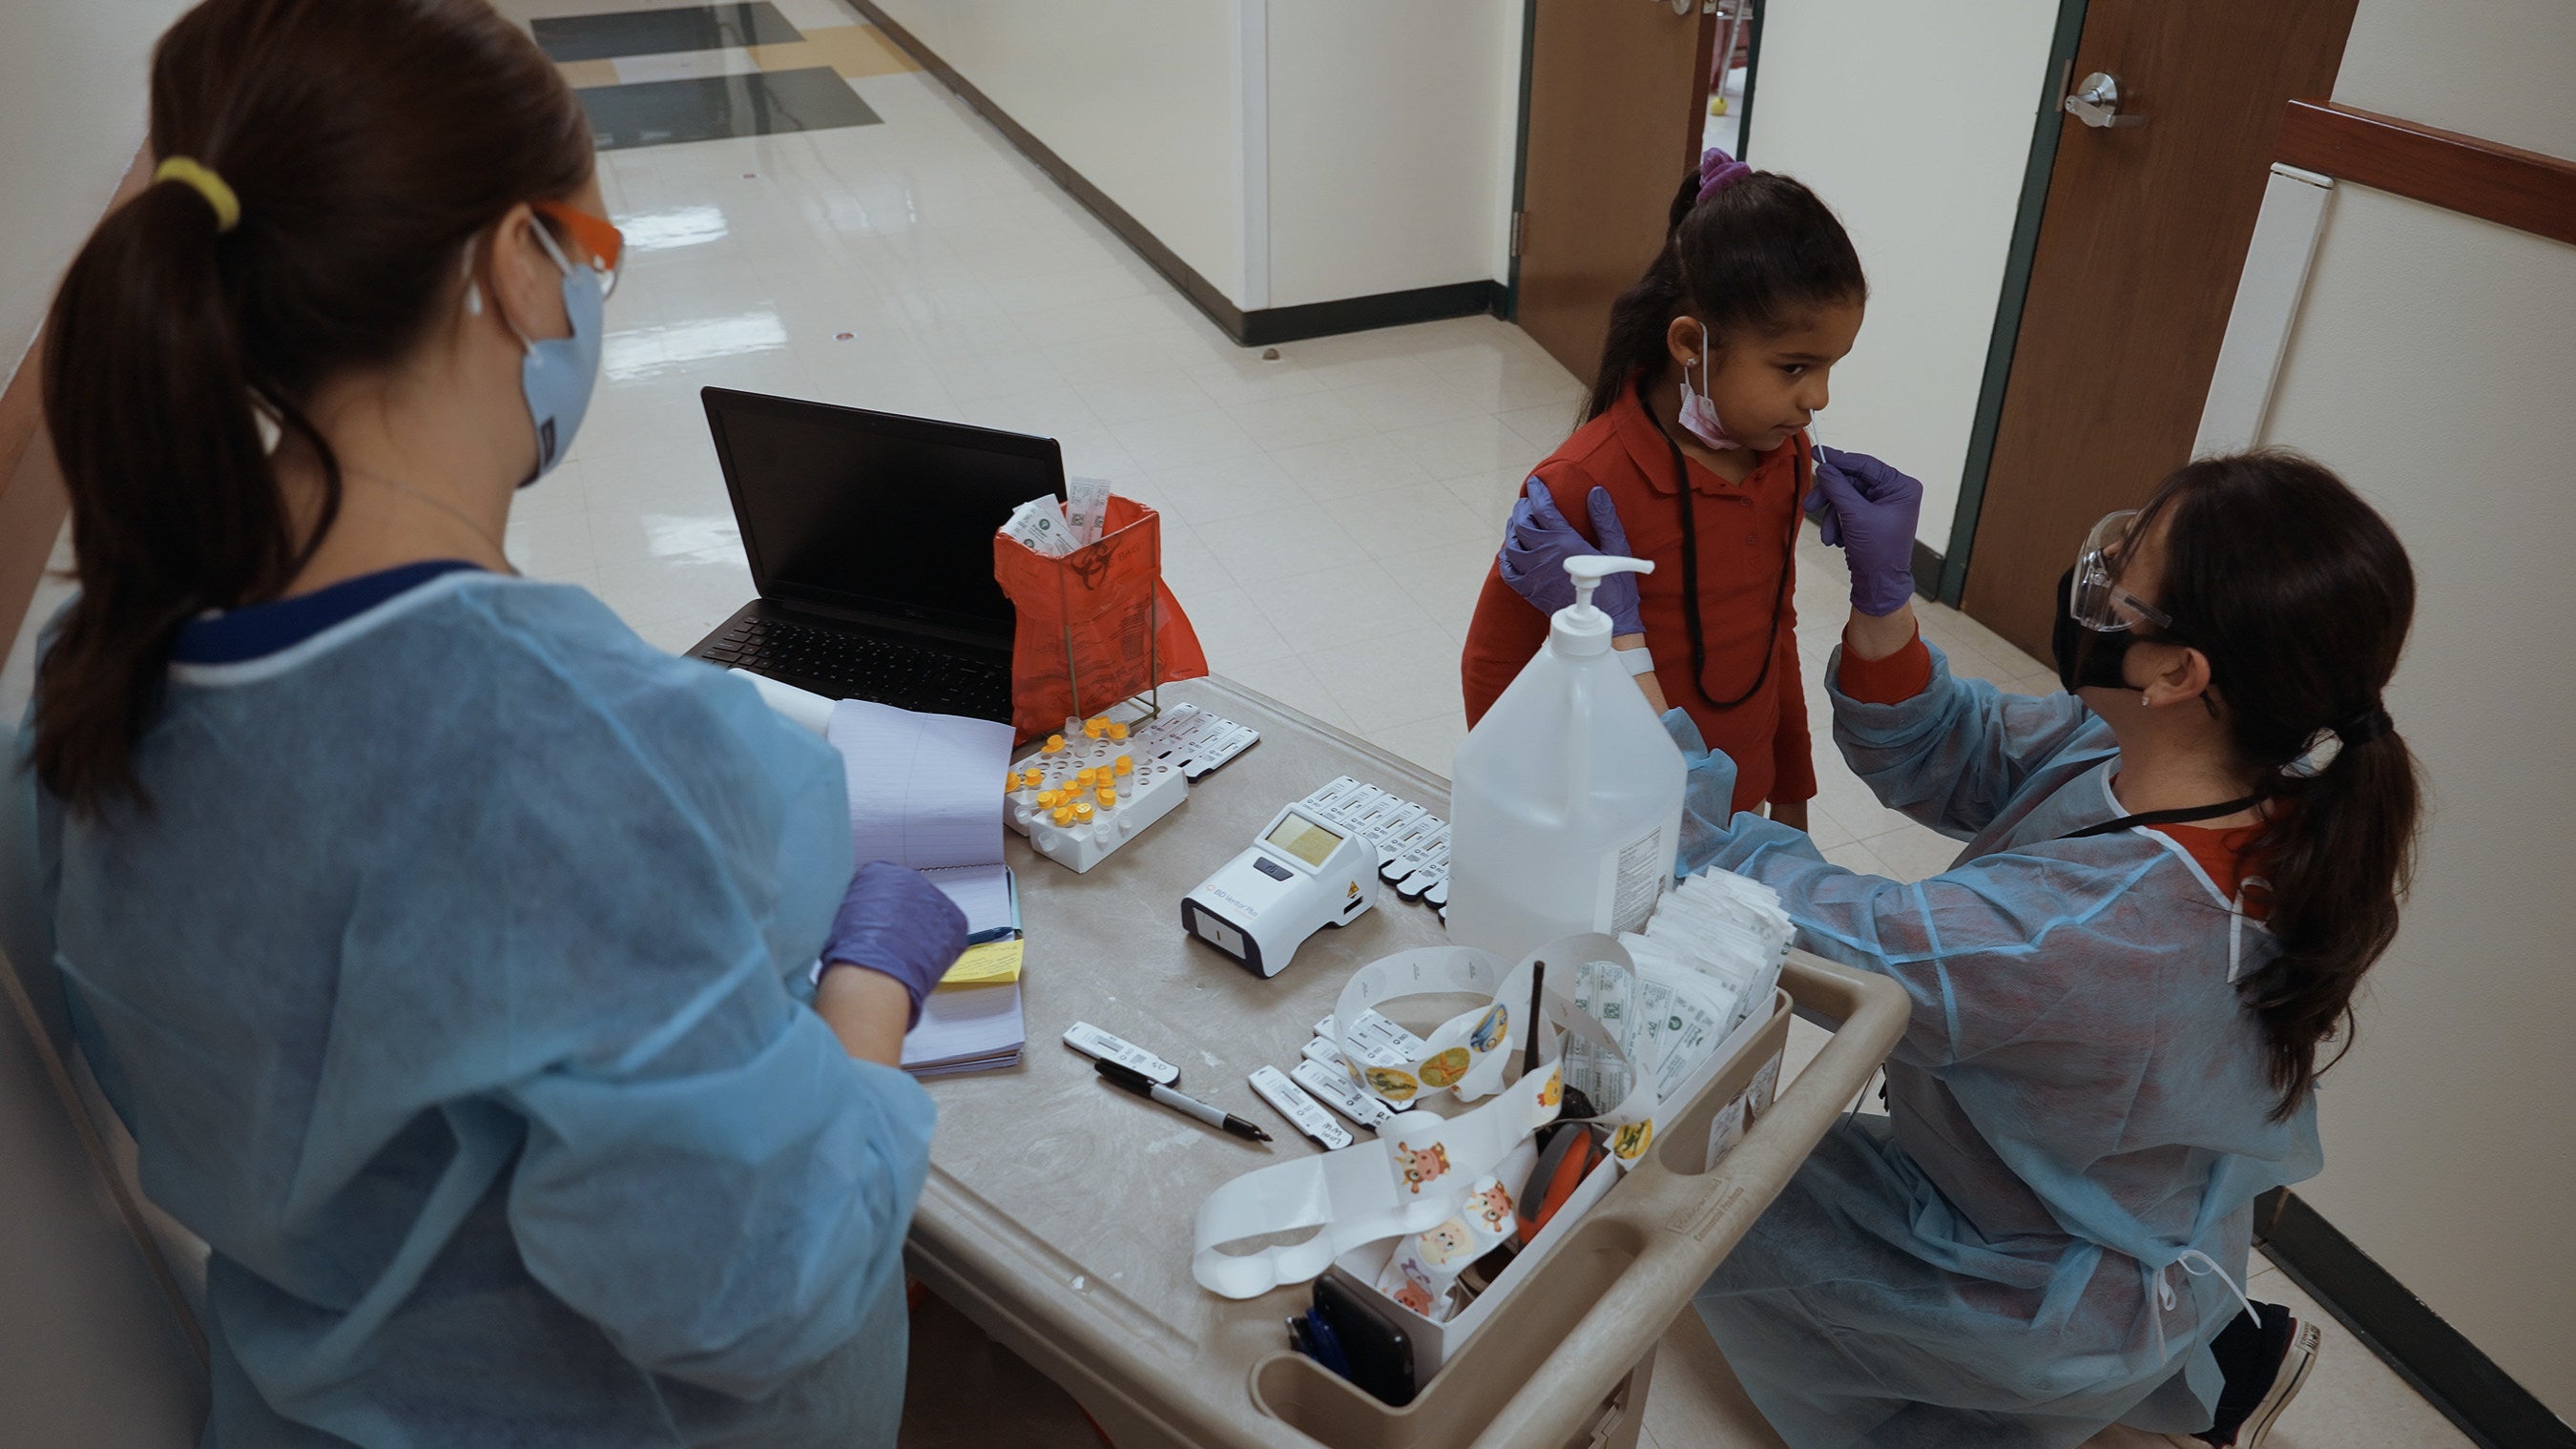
column 1290, row 152
column 72, row 105
column 1138, row 96
column 1384, row 175
column 2432, row 364
column 90, row 1350
column 2496, row 69
column 1914, row 123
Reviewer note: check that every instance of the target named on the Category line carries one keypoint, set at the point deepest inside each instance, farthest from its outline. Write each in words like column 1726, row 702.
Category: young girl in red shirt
column 1694, row 436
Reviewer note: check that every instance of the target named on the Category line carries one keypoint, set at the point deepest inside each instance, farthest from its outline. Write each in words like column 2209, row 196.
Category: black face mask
column 2085, row 656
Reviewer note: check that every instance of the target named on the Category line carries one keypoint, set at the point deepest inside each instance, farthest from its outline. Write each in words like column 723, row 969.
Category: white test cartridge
column 1379, row 1041
column 1304, row 1112
column 1091, row 1041
column 1342, row 1094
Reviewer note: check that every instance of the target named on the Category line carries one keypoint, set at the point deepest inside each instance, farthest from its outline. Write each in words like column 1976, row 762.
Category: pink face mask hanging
column 1698, row 417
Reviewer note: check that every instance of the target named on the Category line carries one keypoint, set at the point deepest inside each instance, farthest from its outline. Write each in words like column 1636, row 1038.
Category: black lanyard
column 1690, row 576
column 2174, row 816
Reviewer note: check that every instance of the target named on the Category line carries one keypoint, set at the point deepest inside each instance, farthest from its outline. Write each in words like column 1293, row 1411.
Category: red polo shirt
column 1747, row 534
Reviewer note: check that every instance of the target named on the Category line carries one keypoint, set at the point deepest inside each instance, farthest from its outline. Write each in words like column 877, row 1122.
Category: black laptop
column 871, row 542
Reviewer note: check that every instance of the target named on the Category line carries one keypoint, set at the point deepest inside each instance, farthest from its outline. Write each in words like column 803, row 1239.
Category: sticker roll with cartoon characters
column 1413, row 1177
column 1470, row 1054
column 1424, row 1265
column 1418, row 1172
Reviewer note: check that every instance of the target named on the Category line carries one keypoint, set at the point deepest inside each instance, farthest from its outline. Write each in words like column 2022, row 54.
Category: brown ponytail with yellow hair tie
column 200, row 178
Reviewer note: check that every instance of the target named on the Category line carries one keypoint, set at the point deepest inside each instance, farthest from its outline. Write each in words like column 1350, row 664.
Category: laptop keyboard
column 851, row 665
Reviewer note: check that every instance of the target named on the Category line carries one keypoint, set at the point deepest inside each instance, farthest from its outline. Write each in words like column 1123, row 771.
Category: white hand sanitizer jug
column 1565, row 805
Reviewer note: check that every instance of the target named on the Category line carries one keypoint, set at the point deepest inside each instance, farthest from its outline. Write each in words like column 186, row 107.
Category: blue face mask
column 558, row 373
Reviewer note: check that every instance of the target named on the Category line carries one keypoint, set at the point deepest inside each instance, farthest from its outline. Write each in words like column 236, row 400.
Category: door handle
column 2096, row 102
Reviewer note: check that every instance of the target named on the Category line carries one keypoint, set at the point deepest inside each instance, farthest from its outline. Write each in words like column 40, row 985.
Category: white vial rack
column 1088, row 791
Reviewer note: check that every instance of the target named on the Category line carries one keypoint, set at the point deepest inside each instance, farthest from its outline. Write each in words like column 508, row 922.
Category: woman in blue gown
column 2172, row 879
column 450, row 952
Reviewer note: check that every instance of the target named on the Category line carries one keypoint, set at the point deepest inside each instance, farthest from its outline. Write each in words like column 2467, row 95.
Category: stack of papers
column 966, row 1029
column 921, row 795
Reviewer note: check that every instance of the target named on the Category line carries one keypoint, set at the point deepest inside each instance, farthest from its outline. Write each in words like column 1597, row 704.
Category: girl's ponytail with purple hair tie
column 1717, row 171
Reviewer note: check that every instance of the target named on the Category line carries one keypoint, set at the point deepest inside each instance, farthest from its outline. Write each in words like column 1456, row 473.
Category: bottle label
column 1637, row 881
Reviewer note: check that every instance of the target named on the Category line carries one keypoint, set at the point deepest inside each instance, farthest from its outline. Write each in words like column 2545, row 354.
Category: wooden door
column 1618, row 90
column 2135, row 270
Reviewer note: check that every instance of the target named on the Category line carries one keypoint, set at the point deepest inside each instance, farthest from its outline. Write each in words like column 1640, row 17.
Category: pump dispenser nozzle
column 1581, row 627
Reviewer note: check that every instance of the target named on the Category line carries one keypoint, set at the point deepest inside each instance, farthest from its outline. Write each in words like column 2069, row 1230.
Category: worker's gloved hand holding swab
column 1538, row 541
column 1870, row 514
column 893, row 920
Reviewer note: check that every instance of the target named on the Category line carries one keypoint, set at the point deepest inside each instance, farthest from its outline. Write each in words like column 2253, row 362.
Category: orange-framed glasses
column 605, row 243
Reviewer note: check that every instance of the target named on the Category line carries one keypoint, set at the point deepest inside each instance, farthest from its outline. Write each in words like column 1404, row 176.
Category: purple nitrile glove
column 1538, row 541
column 894, row 921
column 1871, row 515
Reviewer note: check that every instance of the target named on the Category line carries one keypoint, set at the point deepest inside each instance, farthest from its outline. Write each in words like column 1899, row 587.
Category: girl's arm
column 1652, row 688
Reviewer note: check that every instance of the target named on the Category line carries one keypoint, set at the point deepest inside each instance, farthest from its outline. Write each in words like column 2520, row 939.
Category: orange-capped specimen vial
column 1108, row 797
column 1054, row 745
column 1125, row 765
column 1117, row 731
column 1082, row 811
column 1034, row 778
column 1064, row 814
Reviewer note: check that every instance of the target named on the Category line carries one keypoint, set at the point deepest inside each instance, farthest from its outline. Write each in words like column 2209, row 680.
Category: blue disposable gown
column 2028, row 1248
column 453, row 988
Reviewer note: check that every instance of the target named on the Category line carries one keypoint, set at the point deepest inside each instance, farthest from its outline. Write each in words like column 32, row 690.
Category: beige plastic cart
column 1058, row 1214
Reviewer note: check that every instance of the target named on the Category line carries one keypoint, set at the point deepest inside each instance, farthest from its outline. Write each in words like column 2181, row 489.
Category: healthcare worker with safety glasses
column 2174, row 875
column 450, row 952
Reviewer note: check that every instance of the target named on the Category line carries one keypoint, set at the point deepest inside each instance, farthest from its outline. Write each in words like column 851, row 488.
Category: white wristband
column 1638, row 660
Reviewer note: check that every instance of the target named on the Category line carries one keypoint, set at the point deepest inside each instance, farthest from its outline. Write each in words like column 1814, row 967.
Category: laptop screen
column 876, row 513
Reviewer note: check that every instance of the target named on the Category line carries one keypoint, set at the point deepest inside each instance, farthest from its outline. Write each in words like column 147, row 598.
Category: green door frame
column 1508, row 305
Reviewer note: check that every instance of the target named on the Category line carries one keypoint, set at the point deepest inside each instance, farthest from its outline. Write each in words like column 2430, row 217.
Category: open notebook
column 924, row 793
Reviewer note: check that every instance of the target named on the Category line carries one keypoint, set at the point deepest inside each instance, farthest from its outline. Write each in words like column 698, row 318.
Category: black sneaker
column 2265, row 1369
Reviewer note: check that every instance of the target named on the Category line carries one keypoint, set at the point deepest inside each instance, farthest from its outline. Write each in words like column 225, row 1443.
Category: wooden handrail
column 2527, row 190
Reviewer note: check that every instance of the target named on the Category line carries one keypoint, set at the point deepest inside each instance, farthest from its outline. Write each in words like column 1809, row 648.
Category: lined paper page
column 983, row 892
column 925, row 789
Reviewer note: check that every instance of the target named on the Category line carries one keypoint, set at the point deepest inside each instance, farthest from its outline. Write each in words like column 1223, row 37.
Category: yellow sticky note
column 990, row 964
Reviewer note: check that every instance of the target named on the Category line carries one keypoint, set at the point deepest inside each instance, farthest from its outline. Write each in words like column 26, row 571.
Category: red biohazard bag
column 1097, row 625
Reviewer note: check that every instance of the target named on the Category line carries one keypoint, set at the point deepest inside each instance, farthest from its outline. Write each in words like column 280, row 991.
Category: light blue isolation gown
column 2029, row 1247
column 454, row 990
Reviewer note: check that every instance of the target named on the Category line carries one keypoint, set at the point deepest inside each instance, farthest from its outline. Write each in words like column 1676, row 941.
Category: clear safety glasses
column 605, row 243
column 2092, row 597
